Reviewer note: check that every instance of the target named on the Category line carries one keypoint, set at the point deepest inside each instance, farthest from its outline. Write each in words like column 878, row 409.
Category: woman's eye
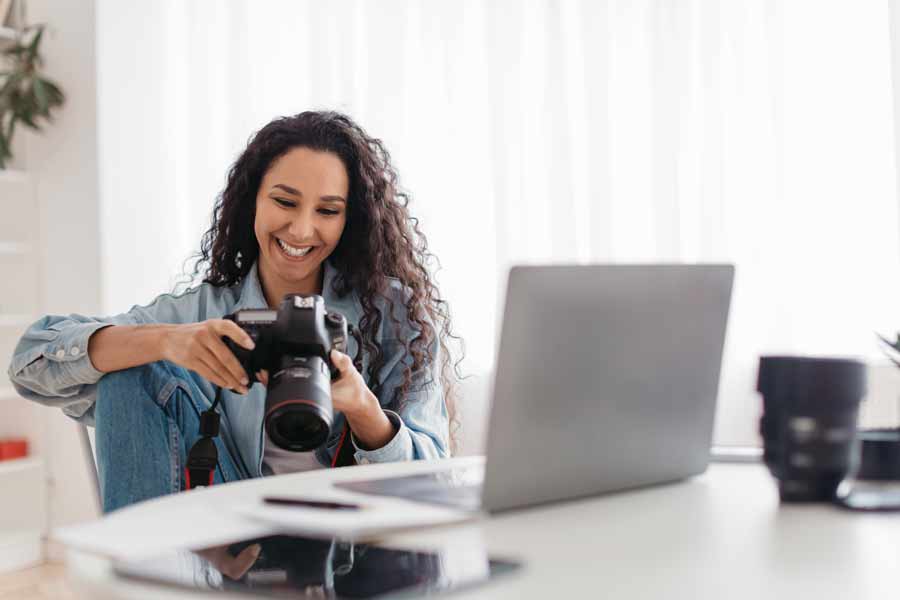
column 326, row 211
column 285, row 203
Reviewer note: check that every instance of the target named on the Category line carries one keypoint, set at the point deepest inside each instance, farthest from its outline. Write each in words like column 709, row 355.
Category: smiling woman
column 311, row 206
column 300, row 215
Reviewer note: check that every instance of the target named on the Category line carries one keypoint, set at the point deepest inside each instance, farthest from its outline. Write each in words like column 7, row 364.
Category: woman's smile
column 293, row 252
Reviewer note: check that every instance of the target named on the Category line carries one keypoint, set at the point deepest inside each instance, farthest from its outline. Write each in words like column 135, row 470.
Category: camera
column 294, row 344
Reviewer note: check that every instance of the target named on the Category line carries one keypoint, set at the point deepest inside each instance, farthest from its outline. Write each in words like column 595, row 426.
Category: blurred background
column 757, row 133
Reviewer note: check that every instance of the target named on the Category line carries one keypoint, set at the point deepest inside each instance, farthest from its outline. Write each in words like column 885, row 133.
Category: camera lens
column 298, row 424
column 298, row 404
column 810, row 407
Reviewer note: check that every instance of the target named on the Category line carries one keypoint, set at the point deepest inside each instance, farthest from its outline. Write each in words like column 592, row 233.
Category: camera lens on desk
column 810, row 409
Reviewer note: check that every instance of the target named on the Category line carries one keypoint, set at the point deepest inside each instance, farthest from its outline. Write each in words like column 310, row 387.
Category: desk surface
column 720, row 535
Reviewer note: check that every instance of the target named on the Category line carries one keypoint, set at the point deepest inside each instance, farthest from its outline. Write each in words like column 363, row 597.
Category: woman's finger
column 232, row 330
column 214, row 364
column 206, row 372
column 228, row 360
column 342, row 362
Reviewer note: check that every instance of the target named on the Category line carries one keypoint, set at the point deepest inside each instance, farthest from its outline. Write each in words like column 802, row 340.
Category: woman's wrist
column 371, row 427
column 120, row 347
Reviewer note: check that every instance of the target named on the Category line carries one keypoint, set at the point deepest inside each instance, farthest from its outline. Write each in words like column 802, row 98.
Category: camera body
column 294, row 344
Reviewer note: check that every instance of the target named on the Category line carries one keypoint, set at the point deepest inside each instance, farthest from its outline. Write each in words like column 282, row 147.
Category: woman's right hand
column 199, row 347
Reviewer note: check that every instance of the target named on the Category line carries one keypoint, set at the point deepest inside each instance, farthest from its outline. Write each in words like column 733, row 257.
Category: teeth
column 294, row 251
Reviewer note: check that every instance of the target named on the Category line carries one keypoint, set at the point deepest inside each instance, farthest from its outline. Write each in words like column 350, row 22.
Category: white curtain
column 754, row 132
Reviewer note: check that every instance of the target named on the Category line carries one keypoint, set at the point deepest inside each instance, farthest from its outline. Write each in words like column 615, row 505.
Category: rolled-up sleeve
column 51, row 365
column 420, row 417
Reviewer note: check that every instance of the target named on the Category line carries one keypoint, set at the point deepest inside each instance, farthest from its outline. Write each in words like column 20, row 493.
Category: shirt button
column 60, row 353
column 74, row 350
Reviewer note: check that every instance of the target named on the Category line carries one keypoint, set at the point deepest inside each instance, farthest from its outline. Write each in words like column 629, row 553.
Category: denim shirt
column 50, row 365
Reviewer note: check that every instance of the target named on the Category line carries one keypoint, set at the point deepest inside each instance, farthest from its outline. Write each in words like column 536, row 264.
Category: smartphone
column 327, row 505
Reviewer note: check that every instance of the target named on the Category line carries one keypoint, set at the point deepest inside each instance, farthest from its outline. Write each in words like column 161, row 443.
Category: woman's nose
column 302, row 229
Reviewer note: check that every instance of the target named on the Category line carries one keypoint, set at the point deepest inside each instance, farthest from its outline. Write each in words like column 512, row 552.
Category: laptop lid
column 606, row 379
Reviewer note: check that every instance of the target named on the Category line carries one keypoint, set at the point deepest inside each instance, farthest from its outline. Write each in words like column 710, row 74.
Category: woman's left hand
column 349, row 392
column 350, row 395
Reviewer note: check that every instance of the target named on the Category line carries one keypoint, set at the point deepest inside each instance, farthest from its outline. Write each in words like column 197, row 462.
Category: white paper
column 194, row 519
column 378, row 515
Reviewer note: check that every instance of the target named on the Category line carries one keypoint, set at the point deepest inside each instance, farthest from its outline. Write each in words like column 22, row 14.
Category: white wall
column 63, row 163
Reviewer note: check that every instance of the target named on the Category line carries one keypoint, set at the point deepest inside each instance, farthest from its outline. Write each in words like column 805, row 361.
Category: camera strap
column 203, row 457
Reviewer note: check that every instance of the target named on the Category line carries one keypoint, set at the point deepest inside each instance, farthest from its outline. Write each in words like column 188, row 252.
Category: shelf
column 14, row 248
column 13, row 175
column 19, row 464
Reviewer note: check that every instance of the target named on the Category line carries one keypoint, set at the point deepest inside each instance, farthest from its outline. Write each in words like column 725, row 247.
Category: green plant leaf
column 41, row 101
column 25, row 95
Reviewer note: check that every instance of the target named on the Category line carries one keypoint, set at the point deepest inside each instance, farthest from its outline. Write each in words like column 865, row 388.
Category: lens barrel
column 810, row 408
column 299, row 413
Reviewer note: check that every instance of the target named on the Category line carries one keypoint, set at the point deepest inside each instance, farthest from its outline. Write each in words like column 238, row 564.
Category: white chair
column 87, row 447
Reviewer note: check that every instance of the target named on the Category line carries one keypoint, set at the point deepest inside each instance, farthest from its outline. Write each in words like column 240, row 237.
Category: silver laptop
column 606, row 380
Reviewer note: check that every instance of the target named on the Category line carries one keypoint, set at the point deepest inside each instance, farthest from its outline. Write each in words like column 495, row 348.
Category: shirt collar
column 252, row 296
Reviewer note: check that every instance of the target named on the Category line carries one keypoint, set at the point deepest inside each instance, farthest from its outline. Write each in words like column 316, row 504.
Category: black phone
column 328, row 505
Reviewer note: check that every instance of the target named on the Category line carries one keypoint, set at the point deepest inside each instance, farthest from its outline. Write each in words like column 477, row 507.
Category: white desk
column 720, row 535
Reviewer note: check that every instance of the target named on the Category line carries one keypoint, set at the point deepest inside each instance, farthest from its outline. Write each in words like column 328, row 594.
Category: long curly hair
column 381, row 240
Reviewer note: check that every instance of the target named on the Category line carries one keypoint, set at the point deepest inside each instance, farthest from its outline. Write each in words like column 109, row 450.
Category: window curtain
column 542, row 131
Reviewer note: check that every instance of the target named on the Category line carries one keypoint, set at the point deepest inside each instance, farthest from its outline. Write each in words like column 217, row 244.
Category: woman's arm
column 197, row 347
column 125, row 346
column 421, row 422
column 53, row 364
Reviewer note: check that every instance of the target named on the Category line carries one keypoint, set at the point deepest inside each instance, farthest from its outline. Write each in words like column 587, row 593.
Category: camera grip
column 244, row 356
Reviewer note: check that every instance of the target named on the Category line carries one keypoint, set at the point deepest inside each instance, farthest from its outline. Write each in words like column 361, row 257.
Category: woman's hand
column 351, row 396
column 199, row 347
column 232, row 567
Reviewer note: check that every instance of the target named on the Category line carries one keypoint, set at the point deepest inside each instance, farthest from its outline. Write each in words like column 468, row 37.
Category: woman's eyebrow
column 291, row 190
column 287, row 189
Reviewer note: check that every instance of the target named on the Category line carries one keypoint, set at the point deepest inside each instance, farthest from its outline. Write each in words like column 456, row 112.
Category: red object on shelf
column 13, row 448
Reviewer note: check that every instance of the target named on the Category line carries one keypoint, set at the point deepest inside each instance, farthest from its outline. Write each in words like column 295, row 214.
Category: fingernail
column 250, row 345
column 245, row 381
column 256, row 549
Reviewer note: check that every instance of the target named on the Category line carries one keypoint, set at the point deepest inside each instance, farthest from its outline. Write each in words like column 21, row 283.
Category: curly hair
column 381, row 240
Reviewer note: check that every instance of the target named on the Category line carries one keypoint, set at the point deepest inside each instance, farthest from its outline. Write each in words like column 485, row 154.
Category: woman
column 311, row 206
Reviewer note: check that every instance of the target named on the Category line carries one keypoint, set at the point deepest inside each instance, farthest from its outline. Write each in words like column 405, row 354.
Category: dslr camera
column 294, row 344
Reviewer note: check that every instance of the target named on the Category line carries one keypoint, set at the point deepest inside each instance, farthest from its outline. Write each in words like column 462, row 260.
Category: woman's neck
column 275, row 289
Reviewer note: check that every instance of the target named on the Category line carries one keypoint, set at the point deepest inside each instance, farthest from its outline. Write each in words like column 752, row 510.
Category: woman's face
column 301, row 210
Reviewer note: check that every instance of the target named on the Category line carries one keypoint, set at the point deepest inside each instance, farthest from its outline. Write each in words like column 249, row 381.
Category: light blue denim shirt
column 50, row 365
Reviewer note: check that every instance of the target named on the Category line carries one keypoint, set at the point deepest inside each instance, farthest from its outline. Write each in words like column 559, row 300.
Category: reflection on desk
column 302, row 567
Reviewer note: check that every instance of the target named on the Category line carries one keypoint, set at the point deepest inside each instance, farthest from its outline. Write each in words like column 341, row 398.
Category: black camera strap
column 203, row 457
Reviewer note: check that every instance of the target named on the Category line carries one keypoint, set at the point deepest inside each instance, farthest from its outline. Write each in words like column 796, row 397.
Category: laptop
column 606, row 380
